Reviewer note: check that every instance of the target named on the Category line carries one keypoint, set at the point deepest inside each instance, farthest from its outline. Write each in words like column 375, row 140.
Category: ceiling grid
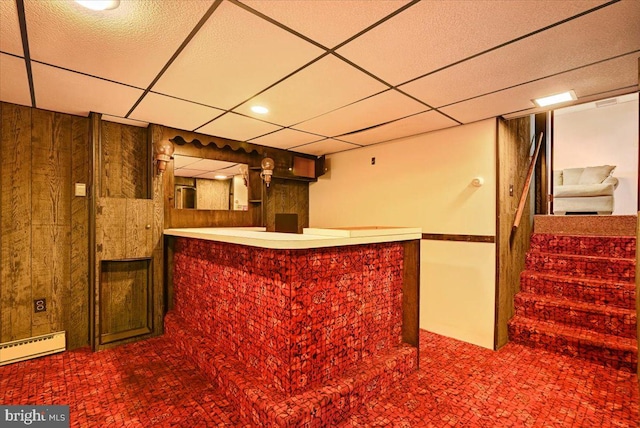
column 334, row 75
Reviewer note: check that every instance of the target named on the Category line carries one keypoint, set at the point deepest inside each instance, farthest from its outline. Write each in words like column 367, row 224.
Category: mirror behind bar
column 210, row 184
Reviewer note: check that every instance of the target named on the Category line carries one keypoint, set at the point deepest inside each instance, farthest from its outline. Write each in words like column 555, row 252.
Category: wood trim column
column 541, row 183
column 94, row 137
column 411, row 294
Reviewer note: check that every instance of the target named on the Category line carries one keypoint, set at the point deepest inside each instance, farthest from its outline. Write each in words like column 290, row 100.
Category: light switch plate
column 80, row 189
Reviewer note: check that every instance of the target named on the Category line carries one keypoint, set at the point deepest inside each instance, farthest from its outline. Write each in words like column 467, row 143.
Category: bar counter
column 310, row 238
column 326, row 313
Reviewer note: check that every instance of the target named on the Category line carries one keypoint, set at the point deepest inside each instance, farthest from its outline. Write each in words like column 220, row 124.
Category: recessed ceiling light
column 259, row 109
column 555, row 99
column 99, row 4
column 220, row 177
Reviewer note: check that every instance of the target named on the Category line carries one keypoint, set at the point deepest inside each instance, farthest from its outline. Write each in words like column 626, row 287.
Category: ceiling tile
column 417, row 124
column 327, row 84
column 324, row 147
column 180, row 161
column 74, row 93
column 381, row 108
column 558, row 49
column 188, row 166
column 163, row 110
column 618, row 73
column 10, row 37
column 237, row 127
column 328, row 22
column 129, row 44
column 212, row 175
column 184, row 172
column 210, row 165
column 433, row 34
column 286, row 138
column 14, row 84
column 234, row 56
column 124, row 121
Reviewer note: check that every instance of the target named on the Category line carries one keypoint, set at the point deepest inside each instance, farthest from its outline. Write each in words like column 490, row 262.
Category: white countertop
column 310, row 238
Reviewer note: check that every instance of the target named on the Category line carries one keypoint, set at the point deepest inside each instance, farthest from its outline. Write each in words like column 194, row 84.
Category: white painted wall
column 457, row 294
column 590, row 136
column 425, row 181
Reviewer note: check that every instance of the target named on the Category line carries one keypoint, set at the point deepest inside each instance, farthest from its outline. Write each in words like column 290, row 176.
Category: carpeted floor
column 146, row 384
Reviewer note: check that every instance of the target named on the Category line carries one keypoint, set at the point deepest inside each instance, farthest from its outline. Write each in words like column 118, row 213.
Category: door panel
column 125, row 299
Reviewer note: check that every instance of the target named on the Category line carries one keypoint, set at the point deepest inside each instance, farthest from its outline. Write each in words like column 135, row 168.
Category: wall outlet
column 40, row 305
column 373, row 161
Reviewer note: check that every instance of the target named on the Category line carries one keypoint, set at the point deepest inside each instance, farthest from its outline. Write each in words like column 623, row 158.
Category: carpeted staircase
column 577, row 297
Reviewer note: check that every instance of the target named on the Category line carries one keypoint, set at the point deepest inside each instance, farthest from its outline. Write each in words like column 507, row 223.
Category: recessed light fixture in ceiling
column 99, row 4
column 220, row 177
column 556, row 99
column 259, row 109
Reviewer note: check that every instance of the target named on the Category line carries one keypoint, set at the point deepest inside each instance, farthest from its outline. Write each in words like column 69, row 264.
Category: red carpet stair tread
column 578, row 298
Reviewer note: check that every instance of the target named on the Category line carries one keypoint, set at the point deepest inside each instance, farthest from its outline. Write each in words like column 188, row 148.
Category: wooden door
column 123, row 304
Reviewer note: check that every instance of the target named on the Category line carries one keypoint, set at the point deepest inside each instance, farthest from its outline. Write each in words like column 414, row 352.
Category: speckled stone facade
column 288, row 332
column 578, row 297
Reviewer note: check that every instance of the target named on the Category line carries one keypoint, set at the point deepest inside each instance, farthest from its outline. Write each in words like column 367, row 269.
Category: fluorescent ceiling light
column 220, row 177
column 555, row 99
column 99, row 4
column 260, row 109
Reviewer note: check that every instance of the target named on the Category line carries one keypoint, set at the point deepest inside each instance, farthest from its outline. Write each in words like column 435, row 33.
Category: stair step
column 602, row 291
column 582, row 266
column 260, row 404
column 598, row 318
column 603, row 246
column 613, row 351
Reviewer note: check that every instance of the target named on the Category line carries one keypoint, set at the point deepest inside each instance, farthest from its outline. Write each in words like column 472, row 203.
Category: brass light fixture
column 162, row 152
column 267, row 170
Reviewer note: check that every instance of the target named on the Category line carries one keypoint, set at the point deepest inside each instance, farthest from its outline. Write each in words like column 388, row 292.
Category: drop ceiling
column 335, row 75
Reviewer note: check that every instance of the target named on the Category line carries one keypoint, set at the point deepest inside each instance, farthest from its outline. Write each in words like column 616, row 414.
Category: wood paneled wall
column 213, row 194
column 513, row 148
column 49, row 237
column 198, row 218
column 44, row 228
column 283, row 196
column 287, row 197
column 124, row 161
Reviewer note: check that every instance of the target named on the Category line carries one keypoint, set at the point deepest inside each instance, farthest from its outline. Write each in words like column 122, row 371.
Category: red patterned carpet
column 146, row 384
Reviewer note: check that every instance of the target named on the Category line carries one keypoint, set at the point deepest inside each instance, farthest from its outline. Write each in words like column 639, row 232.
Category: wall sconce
column 267, row 170
column 162, row 152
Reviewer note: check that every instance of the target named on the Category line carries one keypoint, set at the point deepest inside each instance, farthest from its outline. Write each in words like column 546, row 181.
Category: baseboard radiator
column 32, row 347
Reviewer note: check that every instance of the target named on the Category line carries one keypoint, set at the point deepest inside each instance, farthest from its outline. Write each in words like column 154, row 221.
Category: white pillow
column 595, row 174
column 571, row 175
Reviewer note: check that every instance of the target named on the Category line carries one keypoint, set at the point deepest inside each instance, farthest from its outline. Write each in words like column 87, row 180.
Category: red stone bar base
column 294, row 337
column 260, row 404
